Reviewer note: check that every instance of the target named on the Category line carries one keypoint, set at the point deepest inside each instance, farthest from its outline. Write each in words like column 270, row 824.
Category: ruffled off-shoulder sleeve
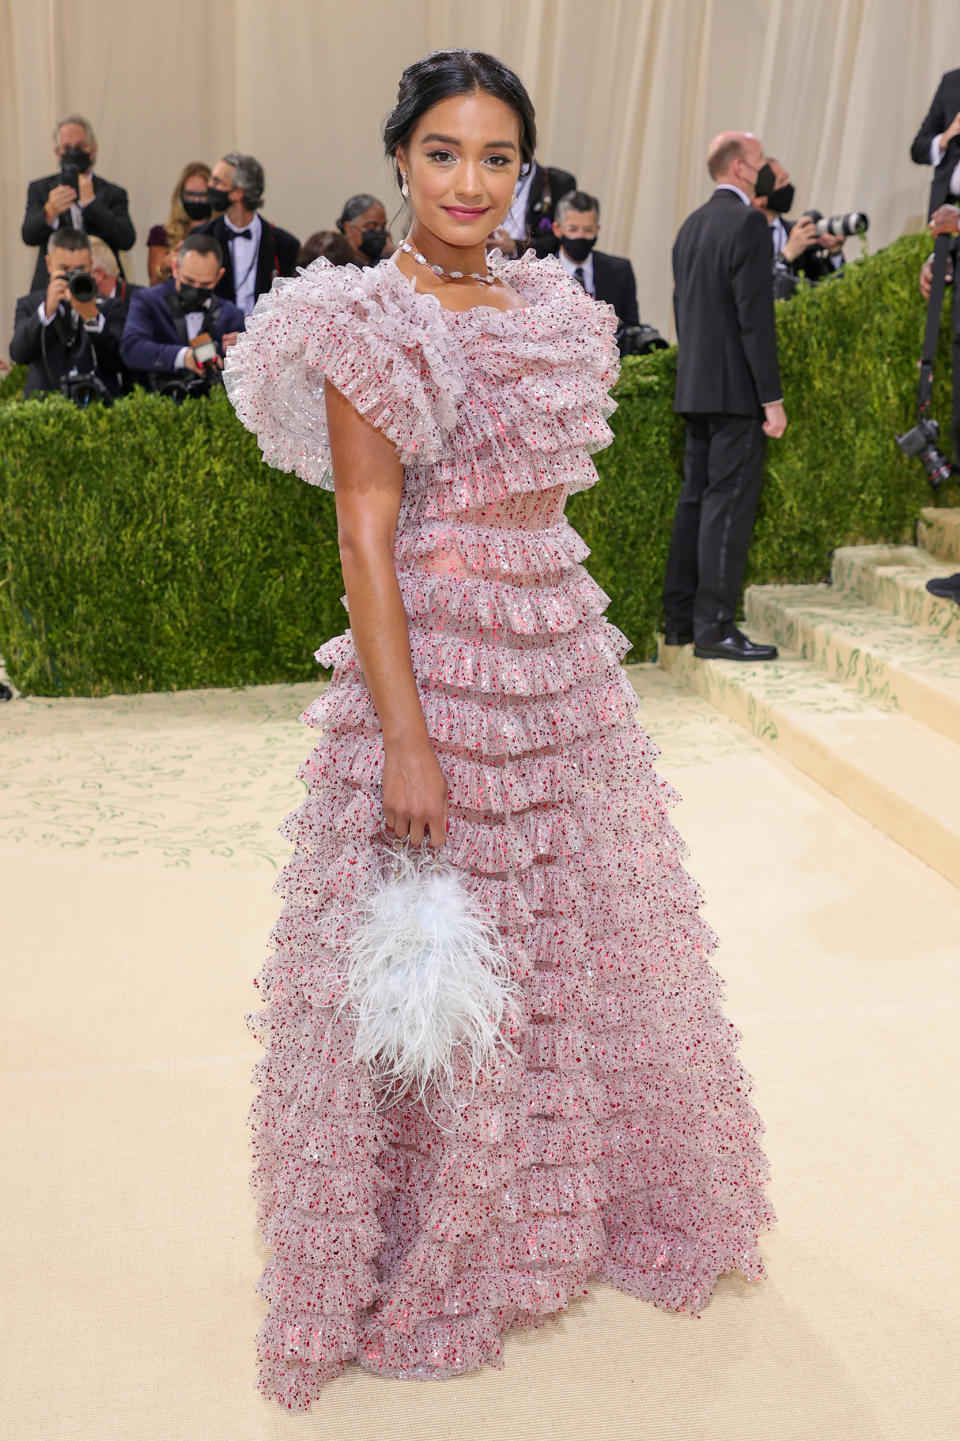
column 337, row 323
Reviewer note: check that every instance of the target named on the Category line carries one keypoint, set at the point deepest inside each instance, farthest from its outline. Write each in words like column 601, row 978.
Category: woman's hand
column 414, row 793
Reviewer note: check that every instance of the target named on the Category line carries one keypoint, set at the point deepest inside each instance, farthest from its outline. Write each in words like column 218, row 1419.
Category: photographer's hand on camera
column 59, row 200
column 802, row 237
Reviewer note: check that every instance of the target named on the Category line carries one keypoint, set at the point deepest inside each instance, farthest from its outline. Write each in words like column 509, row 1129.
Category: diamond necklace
column 439, row 270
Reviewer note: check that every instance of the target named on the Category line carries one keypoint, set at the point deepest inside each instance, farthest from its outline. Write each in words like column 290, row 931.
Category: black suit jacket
column 723, row 303
column 615, row 282
column 547, row 186
column 100, row 352
column 277, row 255
column 107, row 215
column 945, row 105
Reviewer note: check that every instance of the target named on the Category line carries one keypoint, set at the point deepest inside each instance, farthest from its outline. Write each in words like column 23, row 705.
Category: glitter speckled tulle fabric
column 620, row 1142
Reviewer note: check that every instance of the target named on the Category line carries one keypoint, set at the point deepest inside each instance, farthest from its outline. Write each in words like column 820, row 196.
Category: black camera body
column 639, row 339
column 920, row 442
column 84, row 390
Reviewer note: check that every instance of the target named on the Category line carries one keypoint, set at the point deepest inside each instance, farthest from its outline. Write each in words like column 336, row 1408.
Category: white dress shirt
column 936, row 155
column 195, row 322
column 243, row 253
column 516, row 221
column 571, row 267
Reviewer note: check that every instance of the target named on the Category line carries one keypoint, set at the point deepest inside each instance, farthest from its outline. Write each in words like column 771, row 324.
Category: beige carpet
column 138, row 850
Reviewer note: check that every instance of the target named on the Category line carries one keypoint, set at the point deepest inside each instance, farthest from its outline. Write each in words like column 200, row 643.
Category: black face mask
column 578, row 249
column 196, row 209
column 372, row 243
column 780, row 200
column 219, row 199
column 76, row 155
column 765, row 181
column 194, row 297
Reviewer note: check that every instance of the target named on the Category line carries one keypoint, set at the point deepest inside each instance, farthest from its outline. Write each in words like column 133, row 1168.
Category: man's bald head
column 729, row 147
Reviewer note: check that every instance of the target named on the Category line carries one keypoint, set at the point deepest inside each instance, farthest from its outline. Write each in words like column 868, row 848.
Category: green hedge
column 146, row 547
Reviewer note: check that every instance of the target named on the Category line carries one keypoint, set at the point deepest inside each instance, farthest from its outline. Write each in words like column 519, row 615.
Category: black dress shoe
column 5, row 692
column 678, row 637
column 734, row 646
column 947, row 588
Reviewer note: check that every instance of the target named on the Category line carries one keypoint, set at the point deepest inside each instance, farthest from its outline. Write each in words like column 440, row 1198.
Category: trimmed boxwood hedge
column 145, row 546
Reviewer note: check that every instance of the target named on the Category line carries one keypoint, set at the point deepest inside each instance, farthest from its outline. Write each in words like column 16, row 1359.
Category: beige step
column 883, row 655
column 886, row 766
column 939, row 533
column 894, row 578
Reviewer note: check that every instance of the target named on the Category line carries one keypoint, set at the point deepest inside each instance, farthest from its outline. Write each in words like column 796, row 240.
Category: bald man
column 728, row 391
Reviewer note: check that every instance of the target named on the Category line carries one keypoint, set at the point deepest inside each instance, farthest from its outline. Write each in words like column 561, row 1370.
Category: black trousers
column 722, row 476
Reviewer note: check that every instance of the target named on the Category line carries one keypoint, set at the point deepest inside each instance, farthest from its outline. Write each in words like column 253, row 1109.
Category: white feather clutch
column 426, row 978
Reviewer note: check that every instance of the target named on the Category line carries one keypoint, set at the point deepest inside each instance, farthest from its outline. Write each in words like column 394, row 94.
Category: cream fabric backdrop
column 628, row 94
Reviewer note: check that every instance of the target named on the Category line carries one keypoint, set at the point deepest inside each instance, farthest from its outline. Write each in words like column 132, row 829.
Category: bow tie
column 240, row 235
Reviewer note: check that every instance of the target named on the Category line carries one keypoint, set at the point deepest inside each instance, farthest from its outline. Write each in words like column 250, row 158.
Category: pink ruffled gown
column 620, row 1142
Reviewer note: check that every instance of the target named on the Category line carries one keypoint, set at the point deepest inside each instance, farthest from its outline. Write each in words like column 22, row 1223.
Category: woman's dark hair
column 330, row 244
column 444, row 73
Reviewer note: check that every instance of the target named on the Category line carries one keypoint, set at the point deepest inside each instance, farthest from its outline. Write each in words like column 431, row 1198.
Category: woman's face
column 462, row 164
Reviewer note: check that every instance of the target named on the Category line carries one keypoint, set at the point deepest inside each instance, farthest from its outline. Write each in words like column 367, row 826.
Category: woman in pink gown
column 478, row 700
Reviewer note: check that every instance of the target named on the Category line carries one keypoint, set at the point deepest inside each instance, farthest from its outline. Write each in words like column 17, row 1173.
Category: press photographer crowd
column 85, row 331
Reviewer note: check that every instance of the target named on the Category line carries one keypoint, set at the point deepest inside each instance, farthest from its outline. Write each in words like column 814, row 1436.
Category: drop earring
column 405, row 188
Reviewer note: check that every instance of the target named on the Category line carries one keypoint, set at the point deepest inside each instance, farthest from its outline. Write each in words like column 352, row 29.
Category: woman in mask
column 363, row 221
column 189, row 207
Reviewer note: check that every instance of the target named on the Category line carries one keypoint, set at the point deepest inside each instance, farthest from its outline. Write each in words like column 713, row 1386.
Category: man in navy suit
column 89, row 203
column 576, row 225
column 164, row 320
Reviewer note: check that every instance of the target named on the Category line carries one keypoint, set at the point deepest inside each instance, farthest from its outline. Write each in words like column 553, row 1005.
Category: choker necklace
column 439, row 270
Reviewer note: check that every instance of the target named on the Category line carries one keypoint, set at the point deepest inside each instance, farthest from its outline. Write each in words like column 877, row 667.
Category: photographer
column 946, row 221
column 576, row 225
column 799, row 253
column 168, row 325
column 66, row 333
column 936, row 142
column 75, row 197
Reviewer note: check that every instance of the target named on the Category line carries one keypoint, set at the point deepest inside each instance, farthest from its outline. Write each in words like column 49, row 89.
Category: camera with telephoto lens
column 920, row 442
column 853, row 223
column 81, row 284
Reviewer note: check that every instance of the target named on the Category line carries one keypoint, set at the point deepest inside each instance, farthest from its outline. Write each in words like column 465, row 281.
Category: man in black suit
column 255, row 250
column 57, row 335
column 86, row 202
column 799, row 254
column 164, row 321
column 529, row 221
column 576, row 224
column 728, row 390
column 937, row 142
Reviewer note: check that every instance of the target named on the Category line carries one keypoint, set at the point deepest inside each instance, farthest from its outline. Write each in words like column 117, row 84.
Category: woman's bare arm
column 368, row 480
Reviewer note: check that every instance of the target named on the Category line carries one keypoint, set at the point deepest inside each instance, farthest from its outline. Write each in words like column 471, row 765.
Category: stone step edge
column 885, row 678
column 854, row 571
column 892, row 811
column 938, row 532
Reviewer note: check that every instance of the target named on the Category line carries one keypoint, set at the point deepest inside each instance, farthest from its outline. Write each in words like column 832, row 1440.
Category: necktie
column 578, row 275
column 240, row 235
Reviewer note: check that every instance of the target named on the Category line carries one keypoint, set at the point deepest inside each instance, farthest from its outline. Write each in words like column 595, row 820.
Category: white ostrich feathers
column 426, row 979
